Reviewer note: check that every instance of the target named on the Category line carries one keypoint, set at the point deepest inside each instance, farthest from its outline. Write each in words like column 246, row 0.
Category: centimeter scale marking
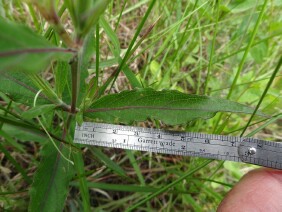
column 220, row 147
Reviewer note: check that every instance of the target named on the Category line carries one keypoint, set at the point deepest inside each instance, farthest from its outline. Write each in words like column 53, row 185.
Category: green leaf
column 23, row 134
column 84, row 61
column 20, row 89
column 172, row 107
column 79, row 118
column 61, row 74
column 37, row 111
column 50, row 187
column 44, row 87
column 23, row 50
column 18, row 123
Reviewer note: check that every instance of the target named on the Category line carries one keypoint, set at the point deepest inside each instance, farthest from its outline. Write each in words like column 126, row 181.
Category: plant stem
column 49, row 31
column 74, row 80
column 97, row 50
column 34, row 51
column 53, row 18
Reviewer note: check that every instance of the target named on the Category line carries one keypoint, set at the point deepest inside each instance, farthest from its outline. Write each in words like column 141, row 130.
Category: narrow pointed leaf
column 84, row 61
column 108, row 162
column 21, row 49
column 19, row 168
column 112, row 36
column 50, row 187
column 172, row 107
column 62, row 75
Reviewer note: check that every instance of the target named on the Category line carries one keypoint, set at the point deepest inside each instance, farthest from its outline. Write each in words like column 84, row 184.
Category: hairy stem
column 52, row 17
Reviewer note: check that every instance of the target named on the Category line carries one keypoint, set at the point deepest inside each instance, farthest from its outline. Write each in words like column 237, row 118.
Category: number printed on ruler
column 212, row 146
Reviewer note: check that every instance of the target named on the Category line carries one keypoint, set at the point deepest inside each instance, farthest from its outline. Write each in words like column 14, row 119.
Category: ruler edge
column 237, row 139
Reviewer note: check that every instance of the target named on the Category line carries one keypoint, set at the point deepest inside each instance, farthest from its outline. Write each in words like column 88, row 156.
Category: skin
column 259, row 190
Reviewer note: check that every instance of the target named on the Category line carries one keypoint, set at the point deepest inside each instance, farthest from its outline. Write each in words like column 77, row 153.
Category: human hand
column 259, row 190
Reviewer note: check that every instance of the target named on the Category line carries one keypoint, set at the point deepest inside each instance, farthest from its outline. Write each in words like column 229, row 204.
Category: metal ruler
column 220, row 147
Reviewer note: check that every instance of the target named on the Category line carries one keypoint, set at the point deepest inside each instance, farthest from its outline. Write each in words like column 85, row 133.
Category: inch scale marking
column 220, row 147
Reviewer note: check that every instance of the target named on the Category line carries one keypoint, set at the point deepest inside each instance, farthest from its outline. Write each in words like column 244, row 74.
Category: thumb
column 259, row 190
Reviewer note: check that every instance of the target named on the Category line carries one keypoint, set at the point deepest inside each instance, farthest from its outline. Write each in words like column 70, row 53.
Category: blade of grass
column 120, row 15
column 168, row 45
column 223, row 58
column 191, row 201
column 210, row 180
column 246, row 83
column 107, row 161
column 6, row 111
column 134, row 82
column 130, row 9
column 119, row 187
column 13, row 193
column 136, row 168
column 11, row 141
column 270, row 121
column 97, row 50
column 212, row 48
column 18, row 167
column 114, row 76
column 264, row 94
column 79, row 166
column 242, row 62
column 200, row 61
column 165, row 188
column 112, row 36
column 34, row 17
column 116, row 52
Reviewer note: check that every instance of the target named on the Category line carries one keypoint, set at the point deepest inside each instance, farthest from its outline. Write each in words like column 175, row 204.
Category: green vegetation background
column 223, row 49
